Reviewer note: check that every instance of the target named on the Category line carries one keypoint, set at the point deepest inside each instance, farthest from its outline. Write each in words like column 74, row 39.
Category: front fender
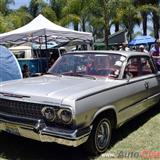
column 102, row 110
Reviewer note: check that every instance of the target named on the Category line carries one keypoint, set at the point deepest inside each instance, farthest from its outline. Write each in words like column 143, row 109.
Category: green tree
column 76, row 12
column 57, row 6
column 49, row 13
column 130, row 16
column 19, row 17
column 4, row 6
column 5, row 25
column 36, row 6
column 106, row 13
column 147, row 7
column 156, row 18
column 144, row 11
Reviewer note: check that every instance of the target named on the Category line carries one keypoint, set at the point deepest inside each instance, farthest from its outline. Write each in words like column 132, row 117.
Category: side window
column 19, row 54
column 132, row 68
column 138, row 66
column 146, row 66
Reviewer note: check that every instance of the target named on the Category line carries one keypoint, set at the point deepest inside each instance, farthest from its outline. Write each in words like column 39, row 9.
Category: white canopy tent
column 42, row 30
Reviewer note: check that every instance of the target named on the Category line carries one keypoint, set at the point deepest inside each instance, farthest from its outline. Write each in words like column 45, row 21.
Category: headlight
column 65, row 115
column 49, row 113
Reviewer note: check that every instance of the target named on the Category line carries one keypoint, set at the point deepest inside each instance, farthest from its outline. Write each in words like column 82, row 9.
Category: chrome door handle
column 146, row 84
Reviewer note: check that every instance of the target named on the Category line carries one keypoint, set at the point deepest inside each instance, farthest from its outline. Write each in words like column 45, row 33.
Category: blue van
column 38, row 60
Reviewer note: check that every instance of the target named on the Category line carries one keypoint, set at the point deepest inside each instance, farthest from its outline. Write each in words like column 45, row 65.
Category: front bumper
column 37, row 130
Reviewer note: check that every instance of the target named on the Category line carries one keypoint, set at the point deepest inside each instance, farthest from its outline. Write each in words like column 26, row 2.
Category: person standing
column 142, row 49
column 155, row 53
column 25, row 71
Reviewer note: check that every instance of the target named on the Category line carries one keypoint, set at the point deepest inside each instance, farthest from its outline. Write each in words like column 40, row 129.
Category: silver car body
column 87, row 98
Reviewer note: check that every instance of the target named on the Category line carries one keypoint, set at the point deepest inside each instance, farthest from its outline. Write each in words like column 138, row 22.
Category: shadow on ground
column 18, row 148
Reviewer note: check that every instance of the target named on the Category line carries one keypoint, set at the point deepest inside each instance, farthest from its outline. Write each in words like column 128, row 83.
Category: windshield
column 96, row 65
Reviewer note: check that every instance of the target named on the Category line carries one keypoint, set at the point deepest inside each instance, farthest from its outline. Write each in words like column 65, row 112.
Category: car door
column 136, row 89
column 151, row 79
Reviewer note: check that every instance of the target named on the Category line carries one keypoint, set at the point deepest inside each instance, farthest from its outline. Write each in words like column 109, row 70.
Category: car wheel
column 100, row 137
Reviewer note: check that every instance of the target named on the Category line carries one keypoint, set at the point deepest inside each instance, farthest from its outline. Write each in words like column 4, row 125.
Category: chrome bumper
column 37, row 130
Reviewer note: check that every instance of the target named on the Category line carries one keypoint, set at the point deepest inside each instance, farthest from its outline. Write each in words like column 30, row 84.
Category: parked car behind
column 82, row 98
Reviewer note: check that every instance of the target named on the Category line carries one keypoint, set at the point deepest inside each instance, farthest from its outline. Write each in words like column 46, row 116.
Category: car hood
column 55, row 87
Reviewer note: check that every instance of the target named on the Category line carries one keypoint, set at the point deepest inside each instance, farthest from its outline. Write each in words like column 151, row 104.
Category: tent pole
column 46, row 41
column 47, row 55
column 40, row 52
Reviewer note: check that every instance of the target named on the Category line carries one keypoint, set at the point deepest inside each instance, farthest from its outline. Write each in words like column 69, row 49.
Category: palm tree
column 35, row 7
column 101, row 13
column 4, row 6
column 5, row 25
column 120, row 12
column 149, row 7
column 77, row 13
column 19, row 17
column 130, row 16
column 144, row 11
column 156, row 19
column 57, row 6
column 117, row 13
column 49, row 13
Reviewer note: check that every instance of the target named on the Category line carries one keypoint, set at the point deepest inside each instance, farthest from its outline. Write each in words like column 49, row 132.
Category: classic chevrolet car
column 81, row 99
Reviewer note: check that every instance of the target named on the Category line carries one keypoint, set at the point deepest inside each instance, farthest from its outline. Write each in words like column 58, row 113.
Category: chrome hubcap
column 102, row 135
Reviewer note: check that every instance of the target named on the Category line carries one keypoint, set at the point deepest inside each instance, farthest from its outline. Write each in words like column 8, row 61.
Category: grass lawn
column 140, row 136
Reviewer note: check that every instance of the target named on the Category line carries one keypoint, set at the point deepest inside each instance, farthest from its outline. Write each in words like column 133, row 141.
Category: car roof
column 124, row 53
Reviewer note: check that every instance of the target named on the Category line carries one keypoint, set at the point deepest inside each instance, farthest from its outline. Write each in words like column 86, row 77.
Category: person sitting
column 91, row 70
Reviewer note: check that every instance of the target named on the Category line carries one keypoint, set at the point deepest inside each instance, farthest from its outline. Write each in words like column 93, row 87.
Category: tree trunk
column 130, row 30
column 129, row 35
column 106, row 25
column 83, row 25
column 156, row 25
column 117, row 27
column 106, row 38
column 144, row 22
column 75, row 26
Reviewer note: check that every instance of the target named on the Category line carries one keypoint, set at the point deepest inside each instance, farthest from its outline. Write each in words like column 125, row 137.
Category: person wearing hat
column 142, row 49
column 155, row 53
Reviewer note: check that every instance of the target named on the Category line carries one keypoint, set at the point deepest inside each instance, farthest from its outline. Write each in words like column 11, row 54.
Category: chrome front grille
column 21, row 109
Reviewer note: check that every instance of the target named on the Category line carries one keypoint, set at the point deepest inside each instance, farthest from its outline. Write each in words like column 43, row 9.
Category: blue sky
column 19, row 3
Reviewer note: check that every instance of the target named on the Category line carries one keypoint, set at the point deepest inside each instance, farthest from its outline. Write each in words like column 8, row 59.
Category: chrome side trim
column 150, row 100
column 138, row 79
column 13, row 95
column 142, row 101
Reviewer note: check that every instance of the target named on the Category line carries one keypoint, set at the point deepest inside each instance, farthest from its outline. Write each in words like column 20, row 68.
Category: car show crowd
column 153, row 50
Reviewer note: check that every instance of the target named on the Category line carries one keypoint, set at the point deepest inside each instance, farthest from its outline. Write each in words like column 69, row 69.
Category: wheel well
column 110, row 114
